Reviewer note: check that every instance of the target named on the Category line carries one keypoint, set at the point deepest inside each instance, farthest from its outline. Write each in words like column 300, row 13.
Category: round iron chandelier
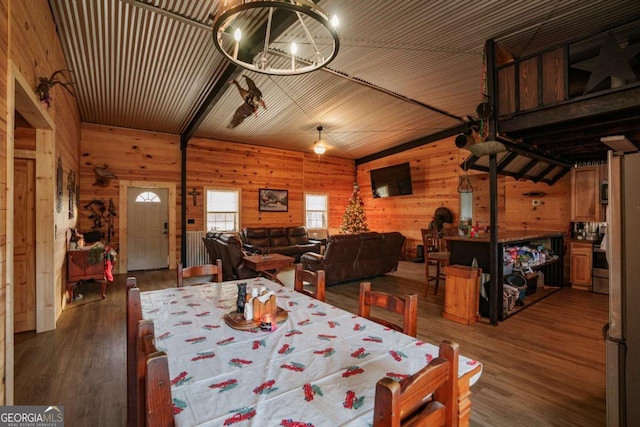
column 277, row 37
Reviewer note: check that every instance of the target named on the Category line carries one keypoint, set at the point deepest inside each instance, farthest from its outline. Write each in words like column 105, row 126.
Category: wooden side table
column 462, row 294
column 268, row 265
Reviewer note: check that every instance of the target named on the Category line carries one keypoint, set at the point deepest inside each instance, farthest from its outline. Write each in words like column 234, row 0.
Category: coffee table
column 268, row 265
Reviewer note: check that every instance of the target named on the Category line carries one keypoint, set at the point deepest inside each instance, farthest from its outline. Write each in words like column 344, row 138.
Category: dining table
column 317, row 367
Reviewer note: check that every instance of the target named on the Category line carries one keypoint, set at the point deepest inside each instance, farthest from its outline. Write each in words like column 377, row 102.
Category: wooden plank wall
column 4, row 54
column 147, row 156
column 481, row 198
column 28, row 41
column 131, row 155
column 36, row 51
column 435, row 172
column 248, row 167
column 332, row 176
column 434, row 175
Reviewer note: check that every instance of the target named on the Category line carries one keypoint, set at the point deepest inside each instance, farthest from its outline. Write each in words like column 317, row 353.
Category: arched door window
column 147, row 197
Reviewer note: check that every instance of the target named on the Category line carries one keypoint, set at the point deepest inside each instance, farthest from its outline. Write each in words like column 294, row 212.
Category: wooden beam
column 577, row 108
column 413, row 144
column 29, row 105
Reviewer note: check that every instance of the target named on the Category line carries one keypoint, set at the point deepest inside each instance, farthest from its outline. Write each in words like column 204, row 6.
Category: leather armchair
column 228, row 247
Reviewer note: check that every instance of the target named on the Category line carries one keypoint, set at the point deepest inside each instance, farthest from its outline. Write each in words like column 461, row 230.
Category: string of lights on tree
column 354, row 219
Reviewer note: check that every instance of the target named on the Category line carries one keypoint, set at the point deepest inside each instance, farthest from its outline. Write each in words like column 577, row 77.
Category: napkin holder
column 266, row 316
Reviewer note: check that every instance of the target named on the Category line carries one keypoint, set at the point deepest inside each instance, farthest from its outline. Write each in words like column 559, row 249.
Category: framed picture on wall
column 273, row 200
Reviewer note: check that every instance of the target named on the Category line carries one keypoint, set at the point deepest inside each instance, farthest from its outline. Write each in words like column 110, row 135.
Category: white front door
column 147, row 234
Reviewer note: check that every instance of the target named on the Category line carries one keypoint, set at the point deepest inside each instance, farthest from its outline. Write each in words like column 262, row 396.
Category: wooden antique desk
column 90, row 263
column 268, row 265
column 80, row 267
column 319, row 367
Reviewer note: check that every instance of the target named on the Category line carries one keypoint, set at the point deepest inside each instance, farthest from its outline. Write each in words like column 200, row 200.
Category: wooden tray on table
column 237, row 320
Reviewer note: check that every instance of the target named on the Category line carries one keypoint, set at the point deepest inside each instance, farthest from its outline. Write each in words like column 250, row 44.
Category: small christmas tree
column 354, row 219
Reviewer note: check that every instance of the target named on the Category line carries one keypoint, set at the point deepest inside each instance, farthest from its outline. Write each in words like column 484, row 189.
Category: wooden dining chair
column 403, row 403
column 134, row 316
column 406, row 307
column 148, row 387
column 155, row 406
column 435, row 254
column 313, row 278
column 214, row 270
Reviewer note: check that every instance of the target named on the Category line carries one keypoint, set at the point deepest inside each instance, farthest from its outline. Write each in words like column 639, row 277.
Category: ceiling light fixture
column 319, row 147
column 309, row 43
column 464, row 185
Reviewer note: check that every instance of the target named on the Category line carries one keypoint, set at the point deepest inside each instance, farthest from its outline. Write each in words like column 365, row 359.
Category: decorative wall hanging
column 71, row 187
column 612, row 62
column 195, row 195
column 102, row 215
column 59, row 185
column 103, row 175
column 477, row 138
column 252, row 97
column 45, row 85
column 273, row 200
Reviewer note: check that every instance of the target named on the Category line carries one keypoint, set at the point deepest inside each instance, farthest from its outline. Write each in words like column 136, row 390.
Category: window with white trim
column 223, row 210
column 316, row 210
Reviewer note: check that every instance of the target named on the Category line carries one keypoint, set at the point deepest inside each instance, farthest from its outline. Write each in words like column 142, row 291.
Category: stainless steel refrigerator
column 623, row 254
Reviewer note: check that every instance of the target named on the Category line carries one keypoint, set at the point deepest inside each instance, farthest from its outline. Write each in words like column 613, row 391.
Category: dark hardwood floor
column 542, row 367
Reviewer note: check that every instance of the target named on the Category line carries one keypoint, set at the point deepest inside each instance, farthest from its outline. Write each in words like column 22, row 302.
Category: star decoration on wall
column 613, row 61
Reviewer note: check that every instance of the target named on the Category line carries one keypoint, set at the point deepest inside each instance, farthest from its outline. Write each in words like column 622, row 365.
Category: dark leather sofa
column 228, row 248
column 290, row 241
column 350, row 257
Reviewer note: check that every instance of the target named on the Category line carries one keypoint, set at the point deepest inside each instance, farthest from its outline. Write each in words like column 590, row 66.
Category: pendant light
column 319, row 147
column 464, row 185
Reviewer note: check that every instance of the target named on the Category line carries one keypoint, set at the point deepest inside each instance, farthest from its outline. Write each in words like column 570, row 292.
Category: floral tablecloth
column 318, row 368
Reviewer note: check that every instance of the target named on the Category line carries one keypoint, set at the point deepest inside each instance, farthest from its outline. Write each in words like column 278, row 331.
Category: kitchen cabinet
column 581, row 262
column 585, row 193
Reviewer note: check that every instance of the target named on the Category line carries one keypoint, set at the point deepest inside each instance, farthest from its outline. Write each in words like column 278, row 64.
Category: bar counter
column 512, row 236
column 464, row 249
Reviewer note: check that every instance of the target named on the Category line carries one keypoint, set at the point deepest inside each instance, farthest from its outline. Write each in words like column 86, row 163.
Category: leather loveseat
column 290, row 241
column 350, row 257
column 228, row 248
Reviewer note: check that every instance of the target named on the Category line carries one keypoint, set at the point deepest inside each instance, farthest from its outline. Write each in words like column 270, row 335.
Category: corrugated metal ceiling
column 138, row 68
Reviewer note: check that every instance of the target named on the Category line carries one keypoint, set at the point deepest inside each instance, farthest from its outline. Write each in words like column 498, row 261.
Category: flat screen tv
column 391, row 181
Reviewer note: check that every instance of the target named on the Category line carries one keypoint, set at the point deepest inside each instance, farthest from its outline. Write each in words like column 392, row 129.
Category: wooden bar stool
column 434, row 255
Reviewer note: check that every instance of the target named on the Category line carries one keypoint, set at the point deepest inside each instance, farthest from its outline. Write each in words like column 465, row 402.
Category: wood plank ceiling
column 139, row 67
